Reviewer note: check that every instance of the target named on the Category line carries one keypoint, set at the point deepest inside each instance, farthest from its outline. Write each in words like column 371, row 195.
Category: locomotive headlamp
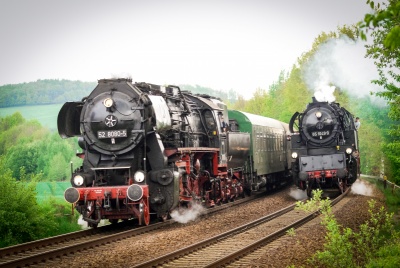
column 108, row 102
column 294, row 155
column 78, row 180
column 318, row 114
column 139, row 176
column 349, row 151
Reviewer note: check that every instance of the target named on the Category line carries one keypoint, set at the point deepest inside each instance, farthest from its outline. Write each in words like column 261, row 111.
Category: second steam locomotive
column 324, row 147
column 149, row 149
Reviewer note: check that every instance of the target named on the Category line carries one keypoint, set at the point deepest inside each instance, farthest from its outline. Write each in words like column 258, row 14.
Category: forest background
column 32, row 153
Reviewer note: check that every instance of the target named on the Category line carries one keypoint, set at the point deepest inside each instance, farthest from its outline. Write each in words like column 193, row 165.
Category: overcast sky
column 222, row 44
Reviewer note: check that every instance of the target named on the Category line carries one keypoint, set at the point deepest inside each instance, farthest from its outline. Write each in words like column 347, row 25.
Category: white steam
column 322, row 90
column 84, row 224
column 298, row 194
column 121, row 75
column 185, row 215
column 341, row 63
column 361, row 188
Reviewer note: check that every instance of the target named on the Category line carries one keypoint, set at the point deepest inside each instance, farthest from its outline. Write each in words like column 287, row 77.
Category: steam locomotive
column 149, row 149
column 324, row 148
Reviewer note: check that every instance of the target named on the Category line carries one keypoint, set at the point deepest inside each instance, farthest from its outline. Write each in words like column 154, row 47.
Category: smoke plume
column 341, row 63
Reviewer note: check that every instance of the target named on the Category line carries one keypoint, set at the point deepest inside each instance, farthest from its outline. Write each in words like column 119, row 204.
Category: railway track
column 38, row 252
column 235, row 247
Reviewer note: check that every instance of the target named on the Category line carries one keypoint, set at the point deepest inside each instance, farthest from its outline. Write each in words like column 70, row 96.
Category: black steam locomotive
column 148, row 149
column 325, row 153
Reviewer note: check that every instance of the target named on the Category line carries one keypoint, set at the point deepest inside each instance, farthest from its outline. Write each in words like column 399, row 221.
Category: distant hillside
column 44, row 92
column 50, row 91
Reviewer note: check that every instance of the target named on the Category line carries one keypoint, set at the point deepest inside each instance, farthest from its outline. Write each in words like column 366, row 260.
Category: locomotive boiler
column 324, row 147
column 148, row 149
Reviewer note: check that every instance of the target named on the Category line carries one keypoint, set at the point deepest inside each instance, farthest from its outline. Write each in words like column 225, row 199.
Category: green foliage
column 291, row 232
column 259, row 103
column 338, row 250
column 22, row 219
column 322, row 38
column 239, row 104
column 22, row 131
column 15, row 217
column 58, row 213
column 22, row 158
column 373, row 233
column 295, row 95
column 385, row 16
column 282, row 100
column 347, row 248
column 10, row 121
column 392, row 196
column 315, row 203
column 373, row 134
column 384, row 25
column 387, row 256
column 43, row 92
column 32, row 149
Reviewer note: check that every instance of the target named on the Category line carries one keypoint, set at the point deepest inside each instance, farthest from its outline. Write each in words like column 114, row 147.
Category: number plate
column 107, row 134
column 320, row 133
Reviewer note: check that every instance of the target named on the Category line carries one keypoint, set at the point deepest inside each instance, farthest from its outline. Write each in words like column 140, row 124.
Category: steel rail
column 207, row 242
column 173, row 256
column 268, row 239
column 15, row 256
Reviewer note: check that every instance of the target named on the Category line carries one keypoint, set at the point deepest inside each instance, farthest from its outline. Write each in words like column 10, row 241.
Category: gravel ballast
column 294, row 249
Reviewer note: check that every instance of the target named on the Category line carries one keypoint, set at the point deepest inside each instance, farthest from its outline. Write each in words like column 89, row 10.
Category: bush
column 387, row 256
column 34, row 148
column 374, row 244
column 22, row 219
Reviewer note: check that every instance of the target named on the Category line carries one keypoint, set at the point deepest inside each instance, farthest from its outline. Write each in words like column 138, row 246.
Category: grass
column 45, row 114
column 55, row 189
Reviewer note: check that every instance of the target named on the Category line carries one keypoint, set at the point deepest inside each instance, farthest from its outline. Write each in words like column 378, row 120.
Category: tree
column 239, row 104
column 11, row 121
column 18, row 210
column 57, row 168
column 28, row 145
column 258, row 103
column 22, row 219
column 22, row 156
column 294, row 95
column 384, row 25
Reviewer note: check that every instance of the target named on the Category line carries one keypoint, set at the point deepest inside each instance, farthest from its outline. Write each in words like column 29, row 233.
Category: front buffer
column 113, row 203
column 322, row 171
